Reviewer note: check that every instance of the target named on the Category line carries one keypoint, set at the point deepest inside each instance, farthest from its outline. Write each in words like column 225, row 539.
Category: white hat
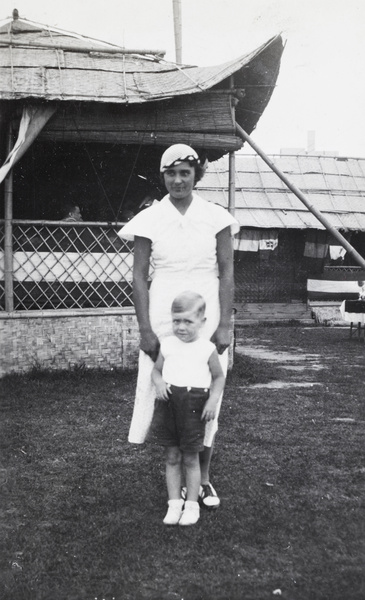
column 176, row 154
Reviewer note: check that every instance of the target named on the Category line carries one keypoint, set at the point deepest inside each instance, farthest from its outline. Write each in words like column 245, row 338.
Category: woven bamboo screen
column 202, row 120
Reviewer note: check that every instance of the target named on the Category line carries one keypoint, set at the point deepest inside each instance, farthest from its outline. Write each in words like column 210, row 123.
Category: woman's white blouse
column 181, row 244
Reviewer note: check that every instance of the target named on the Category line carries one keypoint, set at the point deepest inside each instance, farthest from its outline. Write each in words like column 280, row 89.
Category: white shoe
column 191, row 513
column 174, row 512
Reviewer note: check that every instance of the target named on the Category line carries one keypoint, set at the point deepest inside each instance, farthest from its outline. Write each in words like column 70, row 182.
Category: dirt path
column 304, row 364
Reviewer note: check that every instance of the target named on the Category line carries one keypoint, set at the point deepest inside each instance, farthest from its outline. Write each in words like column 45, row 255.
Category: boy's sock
column 174, row 512
column 191, row 513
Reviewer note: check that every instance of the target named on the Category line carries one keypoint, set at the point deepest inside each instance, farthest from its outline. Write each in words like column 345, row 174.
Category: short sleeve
column 141, row 225
column 230, row 222
column 223, row 218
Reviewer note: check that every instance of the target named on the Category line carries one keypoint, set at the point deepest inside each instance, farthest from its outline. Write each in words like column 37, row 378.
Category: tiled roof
column 333, row 185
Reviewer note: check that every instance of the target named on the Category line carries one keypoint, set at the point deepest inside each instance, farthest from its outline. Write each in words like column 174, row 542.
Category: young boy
column 189, row 382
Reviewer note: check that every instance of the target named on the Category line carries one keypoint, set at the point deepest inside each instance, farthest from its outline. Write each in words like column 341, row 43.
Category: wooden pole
column 81, row 48
column 232, row 164
column 336, row 234
column 8, row 232
column 176, row 5
column 232, row 183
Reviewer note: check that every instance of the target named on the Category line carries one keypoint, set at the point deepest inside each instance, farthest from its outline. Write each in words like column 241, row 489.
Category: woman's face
column 180, row 180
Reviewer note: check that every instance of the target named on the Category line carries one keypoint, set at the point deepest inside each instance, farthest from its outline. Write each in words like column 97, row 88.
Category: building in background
column 86, row 121
column 283, row 254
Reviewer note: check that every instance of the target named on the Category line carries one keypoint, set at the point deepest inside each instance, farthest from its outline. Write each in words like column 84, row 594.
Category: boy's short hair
column 189, row 301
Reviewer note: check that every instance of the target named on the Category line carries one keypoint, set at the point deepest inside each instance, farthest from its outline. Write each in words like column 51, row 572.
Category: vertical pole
column 8, row 232
column 176, row 5
column 231, row 163
column 232, row 183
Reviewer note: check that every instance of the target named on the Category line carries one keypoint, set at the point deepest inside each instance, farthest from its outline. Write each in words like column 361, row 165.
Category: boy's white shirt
column 186, row 363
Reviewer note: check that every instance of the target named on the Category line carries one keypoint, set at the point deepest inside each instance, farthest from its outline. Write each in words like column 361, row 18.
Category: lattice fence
column 68, row 265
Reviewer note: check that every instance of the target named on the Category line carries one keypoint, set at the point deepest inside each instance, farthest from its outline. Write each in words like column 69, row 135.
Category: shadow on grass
column 247, row 370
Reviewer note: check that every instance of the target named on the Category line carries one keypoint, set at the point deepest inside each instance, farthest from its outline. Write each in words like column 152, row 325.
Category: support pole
column 336, row 234
column 232, row 183
column 176, row 5
column 232, row 164
column 94, row 49
column 8, row 232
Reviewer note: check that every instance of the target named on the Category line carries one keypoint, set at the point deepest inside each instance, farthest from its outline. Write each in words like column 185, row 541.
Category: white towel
column 247, row 240
column 337, row 252
column 268, row 240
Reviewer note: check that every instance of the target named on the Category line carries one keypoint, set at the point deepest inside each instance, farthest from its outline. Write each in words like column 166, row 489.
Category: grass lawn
column 81, row 509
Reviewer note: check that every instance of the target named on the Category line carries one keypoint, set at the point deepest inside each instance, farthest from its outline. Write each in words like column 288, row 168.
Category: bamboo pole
column 232, row 163
column 81, row 48
column 176, row 6
column 232, row 183
column 336, row 234
column 8, row 232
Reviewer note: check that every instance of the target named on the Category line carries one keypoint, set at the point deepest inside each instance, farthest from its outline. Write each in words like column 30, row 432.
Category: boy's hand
column 209, row 410
column 162, row 391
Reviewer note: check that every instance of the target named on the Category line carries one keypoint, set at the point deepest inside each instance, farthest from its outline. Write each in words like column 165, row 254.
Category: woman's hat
column 177, row 154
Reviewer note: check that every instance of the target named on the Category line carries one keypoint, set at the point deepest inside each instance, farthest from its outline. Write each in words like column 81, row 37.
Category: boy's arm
column 217, row 387
column 162, row 390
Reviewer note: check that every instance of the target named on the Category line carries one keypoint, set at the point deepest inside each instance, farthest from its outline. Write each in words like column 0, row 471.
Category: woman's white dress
column 184, row 257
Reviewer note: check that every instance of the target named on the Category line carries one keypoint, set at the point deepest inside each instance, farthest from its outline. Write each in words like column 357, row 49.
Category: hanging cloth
column 32, row 122
column 253, row 240
column 247, row 240
column 337, row 252
column 316, row 245
column 268, row 239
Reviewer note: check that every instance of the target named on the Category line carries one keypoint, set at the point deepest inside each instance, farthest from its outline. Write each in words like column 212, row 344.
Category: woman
column 188, row 241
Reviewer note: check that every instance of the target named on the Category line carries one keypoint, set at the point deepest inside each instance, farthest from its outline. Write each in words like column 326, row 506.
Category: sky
column 321, row 83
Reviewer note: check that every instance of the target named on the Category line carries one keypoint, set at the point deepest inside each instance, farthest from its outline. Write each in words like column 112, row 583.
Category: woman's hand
column 150, row 344
column 221, row 338
column 162, row 390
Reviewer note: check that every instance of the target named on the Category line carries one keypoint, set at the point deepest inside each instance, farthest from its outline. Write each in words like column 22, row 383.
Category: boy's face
column 186, row 325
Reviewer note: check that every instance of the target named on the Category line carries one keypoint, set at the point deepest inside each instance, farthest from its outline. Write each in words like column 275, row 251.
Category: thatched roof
column 51, row 64
column 43, row 63
column 333, row 185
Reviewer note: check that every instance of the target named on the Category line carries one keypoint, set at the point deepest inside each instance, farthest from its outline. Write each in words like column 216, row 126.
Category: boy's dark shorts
column 177, row 421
